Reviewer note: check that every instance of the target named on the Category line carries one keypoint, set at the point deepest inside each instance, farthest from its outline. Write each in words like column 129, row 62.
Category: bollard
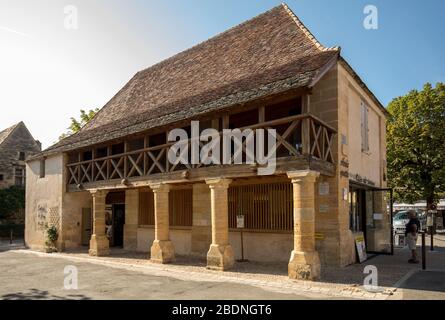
column 10, row 236
column 423, row 251
column 432, row 238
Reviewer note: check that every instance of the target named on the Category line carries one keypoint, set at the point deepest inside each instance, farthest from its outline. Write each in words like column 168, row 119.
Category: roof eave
column 363, row 85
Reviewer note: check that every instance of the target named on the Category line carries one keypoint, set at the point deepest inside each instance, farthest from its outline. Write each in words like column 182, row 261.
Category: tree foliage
column 76, row 125
column 11, row 201
column 416, row 144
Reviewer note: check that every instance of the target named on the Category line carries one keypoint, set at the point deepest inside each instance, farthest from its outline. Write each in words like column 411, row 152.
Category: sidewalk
column 266, row 276
column 394, row 273
column 6, row 244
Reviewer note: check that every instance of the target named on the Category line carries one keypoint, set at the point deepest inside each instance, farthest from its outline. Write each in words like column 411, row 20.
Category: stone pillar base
column 304, row 265
column 162, row 251
column 99, row 246
column 220, row 257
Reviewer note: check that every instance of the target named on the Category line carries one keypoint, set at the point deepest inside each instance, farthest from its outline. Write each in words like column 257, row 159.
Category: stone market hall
column 111, row 184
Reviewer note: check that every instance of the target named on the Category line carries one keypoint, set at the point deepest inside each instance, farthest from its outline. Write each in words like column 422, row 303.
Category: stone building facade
column 113, row 185
column 16, row 144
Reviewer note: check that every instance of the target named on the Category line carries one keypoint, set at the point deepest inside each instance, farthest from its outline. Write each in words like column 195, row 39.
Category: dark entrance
column 118, row 224
column 371, row 213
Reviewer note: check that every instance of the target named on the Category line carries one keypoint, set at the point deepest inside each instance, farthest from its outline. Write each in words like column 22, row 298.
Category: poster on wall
column 240, row 221
column 439, row 223
column 361, row 248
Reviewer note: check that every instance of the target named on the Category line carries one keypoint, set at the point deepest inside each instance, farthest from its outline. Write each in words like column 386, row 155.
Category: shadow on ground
column 35, row 294
column 426, row 280
column 391, row 269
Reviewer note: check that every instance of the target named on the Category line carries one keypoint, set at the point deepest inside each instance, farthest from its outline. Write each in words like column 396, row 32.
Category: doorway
column 378, row 228
column 371, row 213
column 118, row 218
column 87, row 225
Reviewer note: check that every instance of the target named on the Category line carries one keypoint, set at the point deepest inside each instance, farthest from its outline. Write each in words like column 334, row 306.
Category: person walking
column 411, row 233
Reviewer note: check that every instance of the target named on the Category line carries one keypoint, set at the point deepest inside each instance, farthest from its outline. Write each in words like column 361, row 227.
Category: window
column 364, row 127
column 42, row 168
column 181, row 207
column 22, row 156
column 2, row 177
column 264, row 206
column 354, row 210
column 146, row 208
column 19, row 177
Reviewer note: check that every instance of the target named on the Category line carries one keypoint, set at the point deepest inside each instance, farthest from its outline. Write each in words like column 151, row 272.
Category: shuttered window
column 264, row 206
column 364, row 127
column 180, row 208
column 146, row 208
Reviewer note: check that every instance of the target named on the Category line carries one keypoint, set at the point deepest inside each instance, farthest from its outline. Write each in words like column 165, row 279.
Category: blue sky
column 49, row 73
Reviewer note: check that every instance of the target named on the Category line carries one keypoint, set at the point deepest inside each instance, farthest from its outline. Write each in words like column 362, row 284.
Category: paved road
column 27, row 276
column 428, row 285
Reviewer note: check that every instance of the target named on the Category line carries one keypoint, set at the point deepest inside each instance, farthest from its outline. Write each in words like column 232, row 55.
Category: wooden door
column 87, row 226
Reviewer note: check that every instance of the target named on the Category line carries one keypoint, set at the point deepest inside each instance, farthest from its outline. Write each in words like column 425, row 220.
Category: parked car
column 401, row 218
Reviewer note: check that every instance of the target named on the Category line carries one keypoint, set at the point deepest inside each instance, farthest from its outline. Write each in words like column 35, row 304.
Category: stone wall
column 48, row 203
column 262, row 247
column 20, row 140
column 73, row 203
column 334, row 239
column 43, row 200
column 336, row 100
column 371, row 165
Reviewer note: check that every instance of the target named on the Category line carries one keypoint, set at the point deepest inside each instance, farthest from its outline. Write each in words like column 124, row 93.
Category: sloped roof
column 267, row 54
column 7, row 132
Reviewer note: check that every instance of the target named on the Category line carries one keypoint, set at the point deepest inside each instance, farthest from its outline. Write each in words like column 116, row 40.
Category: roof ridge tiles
column 306, row 31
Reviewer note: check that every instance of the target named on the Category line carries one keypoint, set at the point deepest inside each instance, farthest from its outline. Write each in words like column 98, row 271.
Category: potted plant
column 52, row 235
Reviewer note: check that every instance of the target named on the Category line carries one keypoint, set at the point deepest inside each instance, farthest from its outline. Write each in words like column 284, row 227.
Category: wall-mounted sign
column 361, row 248
column 360, row 179
column 345, row 194
column 323, row 208
column 378, row 216
column 323, row 188
column 430, row 220
column 240, row 221
column 319, row 236
column 439, row 222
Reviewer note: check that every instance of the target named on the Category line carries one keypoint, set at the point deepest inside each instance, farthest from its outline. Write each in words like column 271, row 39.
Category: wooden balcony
column 303, row 141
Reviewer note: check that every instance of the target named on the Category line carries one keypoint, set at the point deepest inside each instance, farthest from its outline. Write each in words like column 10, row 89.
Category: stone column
column 131, row 219
column 304, row 263
column 162, row 250
column 99, row 243
column 201, row 229
column 220, row 255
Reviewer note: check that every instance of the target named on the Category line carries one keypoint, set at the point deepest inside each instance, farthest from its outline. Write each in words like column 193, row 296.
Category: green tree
column 416, row 144
column 11, row 201
column 76, row 125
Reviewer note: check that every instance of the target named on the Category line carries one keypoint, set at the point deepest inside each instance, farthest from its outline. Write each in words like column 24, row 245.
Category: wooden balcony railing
column 296, row 136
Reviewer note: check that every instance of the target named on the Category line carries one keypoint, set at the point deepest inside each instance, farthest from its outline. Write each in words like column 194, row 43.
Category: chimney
column 39, row 144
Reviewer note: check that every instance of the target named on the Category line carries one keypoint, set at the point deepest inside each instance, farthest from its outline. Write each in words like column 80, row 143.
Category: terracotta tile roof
column 267, row 54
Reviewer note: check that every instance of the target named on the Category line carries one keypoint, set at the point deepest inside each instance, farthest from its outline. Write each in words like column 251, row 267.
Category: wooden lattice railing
column 296, row 135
